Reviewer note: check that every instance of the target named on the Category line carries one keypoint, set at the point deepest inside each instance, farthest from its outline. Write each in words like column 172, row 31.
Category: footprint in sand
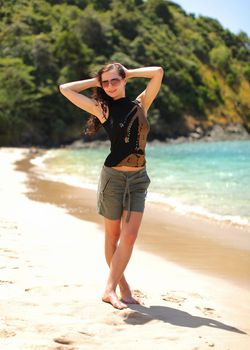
column 9, row 225
column 138, row 294
column 62, row 348
column 87, row 333
column 63, row 340
column 6, row 282
column 207, row 311
column 113, row 322
column 4, row 333
column 75, row 338
column 174, row 297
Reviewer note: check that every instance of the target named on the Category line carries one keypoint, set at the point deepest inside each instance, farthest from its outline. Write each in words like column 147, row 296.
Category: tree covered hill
column 47, row 42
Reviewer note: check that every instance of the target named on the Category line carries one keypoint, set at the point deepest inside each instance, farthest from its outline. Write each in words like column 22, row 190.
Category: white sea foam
column 184, row 209
column 45, row 172
column 40, row 160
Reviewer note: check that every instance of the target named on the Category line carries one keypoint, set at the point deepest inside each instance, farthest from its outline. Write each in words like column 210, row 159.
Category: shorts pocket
column 104, row 181
column 148, row 178
column 105, row 184
column 147, row 183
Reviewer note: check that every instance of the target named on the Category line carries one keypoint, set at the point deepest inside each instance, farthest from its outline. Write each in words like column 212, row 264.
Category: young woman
column 123, row 181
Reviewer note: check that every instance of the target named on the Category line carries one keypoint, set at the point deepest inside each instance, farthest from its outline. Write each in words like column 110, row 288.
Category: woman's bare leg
column 112, row 236
column 120, row 260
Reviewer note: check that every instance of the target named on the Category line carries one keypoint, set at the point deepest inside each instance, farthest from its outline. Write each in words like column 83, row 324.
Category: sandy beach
column 192, row 275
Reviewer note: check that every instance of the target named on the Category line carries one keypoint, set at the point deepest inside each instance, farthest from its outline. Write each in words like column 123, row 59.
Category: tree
column 220, row 58
column 18, row 99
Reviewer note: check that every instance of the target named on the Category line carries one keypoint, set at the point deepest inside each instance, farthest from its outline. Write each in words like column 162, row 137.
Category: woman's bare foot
column 127, row 297
column 112, row 299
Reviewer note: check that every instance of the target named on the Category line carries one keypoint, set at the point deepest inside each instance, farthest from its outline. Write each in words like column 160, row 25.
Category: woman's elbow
column 62, row 88
column 160, row 71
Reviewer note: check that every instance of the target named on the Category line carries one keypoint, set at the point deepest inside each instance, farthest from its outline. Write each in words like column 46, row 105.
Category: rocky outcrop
column 230, row 132
column 227, row 132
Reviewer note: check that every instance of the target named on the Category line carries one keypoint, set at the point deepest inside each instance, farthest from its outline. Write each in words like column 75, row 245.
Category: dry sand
column 194, row 289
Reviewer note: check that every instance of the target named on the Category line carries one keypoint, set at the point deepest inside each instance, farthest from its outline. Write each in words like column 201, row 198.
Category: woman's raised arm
column 72, row 92
column 155, row 74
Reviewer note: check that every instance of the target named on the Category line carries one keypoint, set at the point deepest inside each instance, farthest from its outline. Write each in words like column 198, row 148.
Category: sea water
column 207, row 178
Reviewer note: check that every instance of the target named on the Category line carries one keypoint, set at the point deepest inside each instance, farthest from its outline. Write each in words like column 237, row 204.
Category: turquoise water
column 211, row 179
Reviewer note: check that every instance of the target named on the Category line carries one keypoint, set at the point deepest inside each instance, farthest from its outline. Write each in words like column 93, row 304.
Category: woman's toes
column 112, row 299
column 130, row 300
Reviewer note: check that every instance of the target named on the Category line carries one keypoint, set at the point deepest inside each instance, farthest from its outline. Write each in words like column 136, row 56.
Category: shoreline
column 188, row 240
column 53, row 272
column 177, row 206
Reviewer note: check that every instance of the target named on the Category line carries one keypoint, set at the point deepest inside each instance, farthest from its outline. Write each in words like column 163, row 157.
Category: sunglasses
column 113, row 82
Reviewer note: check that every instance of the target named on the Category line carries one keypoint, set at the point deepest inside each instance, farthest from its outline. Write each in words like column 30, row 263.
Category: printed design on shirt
column 138, row 156
column 122, row 125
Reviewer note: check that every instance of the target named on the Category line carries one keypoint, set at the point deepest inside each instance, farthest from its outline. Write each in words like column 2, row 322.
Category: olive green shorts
column 119, row 190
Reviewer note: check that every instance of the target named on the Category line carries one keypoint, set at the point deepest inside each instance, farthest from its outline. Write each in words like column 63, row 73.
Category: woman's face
column 113, row 84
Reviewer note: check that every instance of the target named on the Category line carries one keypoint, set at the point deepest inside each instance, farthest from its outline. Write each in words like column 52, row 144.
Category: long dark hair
column 93, row 124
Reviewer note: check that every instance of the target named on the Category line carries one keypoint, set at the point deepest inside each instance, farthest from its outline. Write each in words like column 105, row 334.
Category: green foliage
column 233, row 77
column 220, row 58
column 74, row 56
column 17, row 85
column 92, row 33
column 159, row 9
column 211, row 93
column 47, row 42
column 79, row 3
column 198, row 45
column 101, row 5
column 247, row 72
column 18, row 98
column 125, row 20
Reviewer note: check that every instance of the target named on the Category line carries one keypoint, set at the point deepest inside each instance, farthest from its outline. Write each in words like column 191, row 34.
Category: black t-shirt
column 127, row 128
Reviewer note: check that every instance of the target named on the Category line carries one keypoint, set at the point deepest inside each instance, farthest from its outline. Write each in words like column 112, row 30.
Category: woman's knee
column 129, row 237
column 112, row 236
column 112, row 231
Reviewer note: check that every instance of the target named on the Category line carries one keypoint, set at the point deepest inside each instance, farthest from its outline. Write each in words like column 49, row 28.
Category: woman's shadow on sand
column 142, row 315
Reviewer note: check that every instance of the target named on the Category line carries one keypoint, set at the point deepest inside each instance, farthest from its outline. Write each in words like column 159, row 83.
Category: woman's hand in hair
column 97, row 82
column 126, row 71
